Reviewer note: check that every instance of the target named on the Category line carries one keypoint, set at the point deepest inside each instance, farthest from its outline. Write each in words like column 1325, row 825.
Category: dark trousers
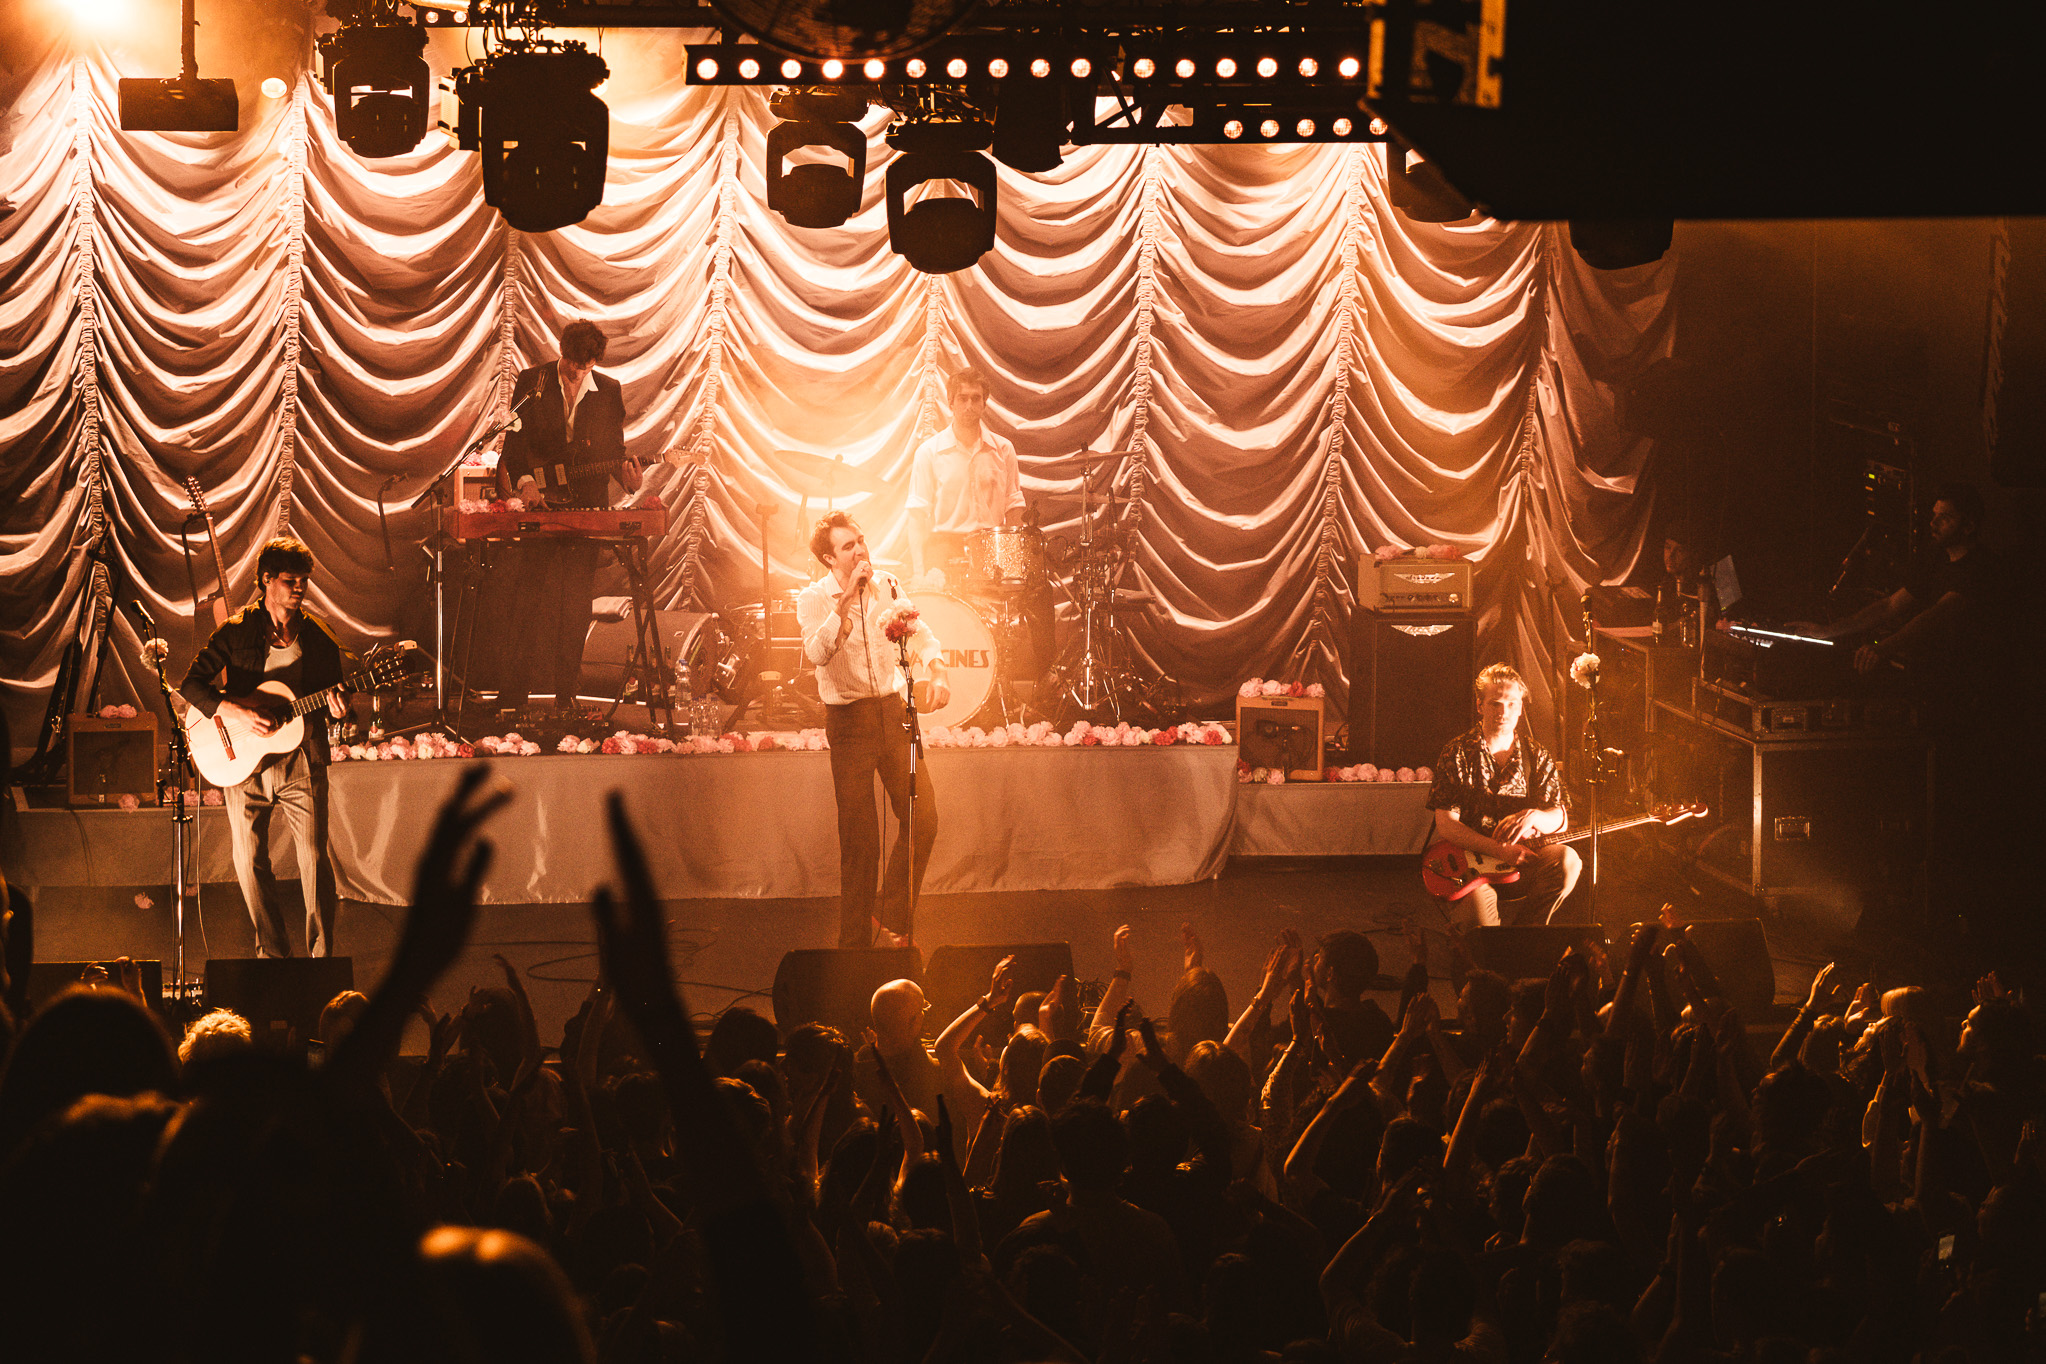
column 550, row 619
column 295, row 787
column 867, row 739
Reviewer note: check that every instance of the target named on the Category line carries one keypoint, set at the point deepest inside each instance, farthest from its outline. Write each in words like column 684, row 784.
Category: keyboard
column 598, row 524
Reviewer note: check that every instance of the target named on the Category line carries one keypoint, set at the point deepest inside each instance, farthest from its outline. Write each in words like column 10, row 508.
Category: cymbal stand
column 914, row 725
column 1094, row 686
column 766, row 690
column 184, row 813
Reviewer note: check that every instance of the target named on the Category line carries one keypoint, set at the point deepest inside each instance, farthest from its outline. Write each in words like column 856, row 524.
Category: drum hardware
column 1092, row 676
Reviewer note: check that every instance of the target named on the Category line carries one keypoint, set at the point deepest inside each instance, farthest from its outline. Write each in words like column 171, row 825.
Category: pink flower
column 143, row 901
column 1386, row 774
column 999, row 739
column 213, row 796
column 765, row 743
column 567, row 745
column 1367, row 773
column 529, row 749
column 1332, row 774
column 1274, row 689
column 125, row 711
column 1424, row 774
column 339, row 755
column 465, row 750
column 727, row 744
column 129, row 802
column 1385, row 554
column 1215, row 736
column 1251, row 688
column 1316, row 689
column 108, row 712
column 515, row 504
column 628, row 746
column 1404, row 774
column 1276, row 777
column 611, row 745
column 1091, row 739
column 1165, row 737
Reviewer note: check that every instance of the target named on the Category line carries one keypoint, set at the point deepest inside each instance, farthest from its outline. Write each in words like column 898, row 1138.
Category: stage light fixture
column 914, row 68
column 1379, row 127
column 1269, row 128
column 1040, row 68
column 1226, row 68
column 273, row 88
column 956, row 68
column 380, row 84
column 875, row 69
column 1144, row 68
column 532, row 112
column 1233, row 129
column 1309, row 67
column 183, row 105
column 816, row 194
column 1082, row 68
column 749, row 69
column 1267, row 67
column 1184, row 68
column 791, row 69
column 1341, row 127
column 707, row 69
column 941, row 235
column 1305, row 127
column 1348, row 68
column 998, row 68
column 833, row 69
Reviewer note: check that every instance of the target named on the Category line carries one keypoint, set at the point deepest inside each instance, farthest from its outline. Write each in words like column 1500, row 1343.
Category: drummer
column 966, row 478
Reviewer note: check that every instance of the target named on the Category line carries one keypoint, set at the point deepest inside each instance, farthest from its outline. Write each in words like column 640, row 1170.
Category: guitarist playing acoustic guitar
column 276, row 641
column 1495, row 789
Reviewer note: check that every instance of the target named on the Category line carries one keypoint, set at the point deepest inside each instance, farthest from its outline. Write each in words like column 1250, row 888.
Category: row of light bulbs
column 998, row 68
column 1271, row 127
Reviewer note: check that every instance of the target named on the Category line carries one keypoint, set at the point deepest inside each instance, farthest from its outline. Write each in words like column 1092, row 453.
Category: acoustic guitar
column 227, row 752
column 1450, row 873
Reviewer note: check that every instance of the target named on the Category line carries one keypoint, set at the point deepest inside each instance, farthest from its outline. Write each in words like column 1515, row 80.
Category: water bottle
column 685, row 697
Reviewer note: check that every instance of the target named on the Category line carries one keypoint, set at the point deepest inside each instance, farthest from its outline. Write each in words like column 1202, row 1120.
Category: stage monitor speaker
column 109, row 759
column 1410, row 685
column 959, row 975
column 836, row 984
column 280, row 996
column 47, row 979
column 1531, row 951
column 1737, row 951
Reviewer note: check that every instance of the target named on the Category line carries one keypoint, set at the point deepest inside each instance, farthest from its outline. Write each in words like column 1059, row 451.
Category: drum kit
column 989, row 590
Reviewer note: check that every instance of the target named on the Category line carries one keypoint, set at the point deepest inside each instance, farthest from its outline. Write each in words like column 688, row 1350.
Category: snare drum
column 1007, row 554
column 967, row 648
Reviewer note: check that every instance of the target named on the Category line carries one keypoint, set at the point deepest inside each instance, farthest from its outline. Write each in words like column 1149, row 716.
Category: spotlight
column 940, row 235
column 998, row 68
column 875, row 69
column 816, row 194
column 1305, row 127
column 1082, row 68
column 707, row 69
column 544, row 136
column 184, row 105
column 1378, row 127
column 1269, row 128
column 1031, row 126
column 1144, row 68
column 1267, row 68
column 1040, row 68
column 1341, row 127
column 1184, row 68
column 273, row 88
column 956, row 68
column 914, row 68
column 791, row 69
column 1309, row 67
column 1348, row 68
column 1233, row 129
column 1226, row 68
column 833, row 69
column 379, row 82
column 749, row 69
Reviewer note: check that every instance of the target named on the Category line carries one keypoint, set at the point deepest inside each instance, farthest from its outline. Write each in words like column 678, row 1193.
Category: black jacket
column 241, row 647
column 543, row 440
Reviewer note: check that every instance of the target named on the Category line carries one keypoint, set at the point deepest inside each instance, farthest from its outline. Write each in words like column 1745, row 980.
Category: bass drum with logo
column 967, row 649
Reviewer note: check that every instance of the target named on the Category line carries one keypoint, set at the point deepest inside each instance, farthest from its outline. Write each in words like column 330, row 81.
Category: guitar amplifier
column 1414, row 585
column 1284, row 732
column 109, row 759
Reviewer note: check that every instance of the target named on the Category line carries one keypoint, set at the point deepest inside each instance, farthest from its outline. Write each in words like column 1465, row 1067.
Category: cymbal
column 1089, row 458
column 820, row 478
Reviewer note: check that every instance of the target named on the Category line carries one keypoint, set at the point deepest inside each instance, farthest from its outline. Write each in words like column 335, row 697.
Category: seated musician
column 1495, row 788
column 569, row 445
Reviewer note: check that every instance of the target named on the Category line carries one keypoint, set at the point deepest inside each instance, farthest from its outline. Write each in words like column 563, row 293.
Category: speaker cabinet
column 959, row 975
column 48, row 979
column 110, row 759
column 280, row 996
column 1410, row 685
column 835, row 985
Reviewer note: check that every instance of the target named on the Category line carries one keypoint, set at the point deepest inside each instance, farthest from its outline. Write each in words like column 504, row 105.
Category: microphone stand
column 184, row 814
column 914, row 726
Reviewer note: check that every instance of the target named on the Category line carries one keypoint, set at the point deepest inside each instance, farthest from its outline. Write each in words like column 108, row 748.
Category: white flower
column 1387, row 774
column 1404, row 774
column 1072, row 739
column 999, row 739
column 1316, row 689
column 1367, row 772
column 1584, row 670
column 1276, row 777
column 528, row 749
column 1274, row 689
column 1251, row 688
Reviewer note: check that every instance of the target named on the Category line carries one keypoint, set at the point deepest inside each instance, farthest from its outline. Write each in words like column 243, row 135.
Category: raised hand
column 632, row 941
column 1121, row 1037
column 1824, row 994
column 1121, row 945
column 1190, row 942
column 451, row 870
column 1153, row 1055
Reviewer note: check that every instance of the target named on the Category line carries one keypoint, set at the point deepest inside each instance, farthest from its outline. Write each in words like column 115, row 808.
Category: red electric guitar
column 1450, row 873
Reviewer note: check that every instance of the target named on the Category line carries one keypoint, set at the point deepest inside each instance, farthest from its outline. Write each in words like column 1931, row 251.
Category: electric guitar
column 1450, row 873
column 227, row 752
column 219, row 599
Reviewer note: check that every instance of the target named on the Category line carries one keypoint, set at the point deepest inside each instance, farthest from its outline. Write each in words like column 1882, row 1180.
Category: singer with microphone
column 859, row 679
column 276, row 640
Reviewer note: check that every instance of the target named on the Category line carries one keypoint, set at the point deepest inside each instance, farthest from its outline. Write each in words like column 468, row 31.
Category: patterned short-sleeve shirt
column 1478, row 791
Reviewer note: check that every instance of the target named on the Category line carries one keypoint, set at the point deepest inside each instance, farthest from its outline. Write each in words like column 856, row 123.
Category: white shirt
column 569, row 400
column 965, row 490
column 866, row 663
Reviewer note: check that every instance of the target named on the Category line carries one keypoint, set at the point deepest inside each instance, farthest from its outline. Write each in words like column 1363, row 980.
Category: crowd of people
column 1603, row 1166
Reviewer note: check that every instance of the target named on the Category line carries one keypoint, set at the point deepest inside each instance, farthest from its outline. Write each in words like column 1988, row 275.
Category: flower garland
column 1385, row 554
column 1276, row 776
column 470, row 506
column 1259, row 686
column 1043, row 734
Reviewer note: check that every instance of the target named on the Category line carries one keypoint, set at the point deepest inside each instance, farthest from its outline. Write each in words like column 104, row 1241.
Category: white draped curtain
column 1294, row 373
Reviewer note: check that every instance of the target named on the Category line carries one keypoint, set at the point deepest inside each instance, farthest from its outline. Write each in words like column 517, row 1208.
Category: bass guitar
column 227, row 752
column 1450, row 873
column 219, row 599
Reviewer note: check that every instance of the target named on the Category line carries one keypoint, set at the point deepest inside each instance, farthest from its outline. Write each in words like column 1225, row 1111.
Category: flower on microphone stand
column 1584, row 670
column 899, row 620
